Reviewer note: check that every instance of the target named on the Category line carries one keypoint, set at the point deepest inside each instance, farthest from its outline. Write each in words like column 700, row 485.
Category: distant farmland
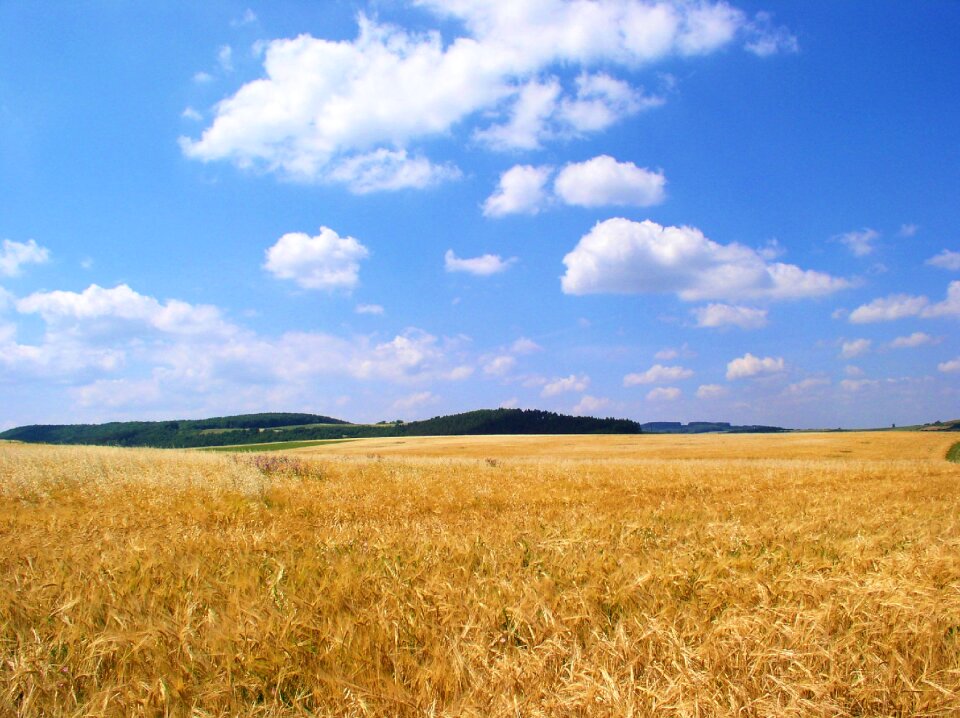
column 760, row 575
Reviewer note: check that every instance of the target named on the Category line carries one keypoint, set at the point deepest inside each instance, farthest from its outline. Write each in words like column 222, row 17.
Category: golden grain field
column 796, row 575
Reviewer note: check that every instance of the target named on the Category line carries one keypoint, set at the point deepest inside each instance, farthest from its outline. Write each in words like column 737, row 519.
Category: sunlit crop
column 767, row 578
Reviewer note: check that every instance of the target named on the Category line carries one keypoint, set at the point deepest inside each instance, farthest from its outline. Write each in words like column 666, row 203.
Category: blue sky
column 737, row 211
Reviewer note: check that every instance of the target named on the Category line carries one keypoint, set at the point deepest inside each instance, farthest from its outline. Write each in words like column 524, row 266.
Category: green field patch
column 274, row 446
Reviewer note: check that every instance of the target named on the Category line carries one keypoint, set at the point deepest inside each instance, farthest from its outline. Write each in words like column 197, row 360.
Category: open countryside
column 756, row 575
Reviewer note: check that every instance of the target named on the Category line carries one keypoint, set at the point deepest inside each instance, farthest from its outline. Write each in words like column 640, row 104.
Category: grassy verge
column 274, row 446
column 954, row 453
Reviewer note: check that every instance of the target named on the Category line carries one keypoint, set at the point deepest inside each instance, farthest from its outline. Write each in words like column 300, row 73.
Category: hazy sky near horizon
column 738, row 211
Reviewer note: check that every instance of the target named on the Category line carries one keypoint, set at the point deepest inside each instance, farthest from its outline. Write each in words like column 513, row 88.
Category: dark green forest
column 256, row 428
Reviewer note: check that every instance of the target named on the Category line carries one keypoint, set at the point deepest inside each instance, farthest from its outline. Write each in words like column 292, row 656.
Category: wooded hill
column 256, row 428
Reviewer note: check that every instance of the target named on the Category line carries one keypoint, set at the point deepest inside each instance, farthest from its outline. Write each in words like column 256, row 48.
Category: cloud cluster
column 946, row 260
column 13, row 255
column 565, row 384
column 620, row 256
column 854, row 348
column 657, row 374
column 349, row 111
column 900, row 306
column 748, row 366
column 598, row 182
column 726, row 315
column 860, row 243
column 326, row 261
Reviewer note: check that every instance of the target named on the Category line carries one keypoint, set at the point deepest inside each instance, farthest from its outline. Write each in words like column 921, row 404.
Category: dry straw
column 173, row 583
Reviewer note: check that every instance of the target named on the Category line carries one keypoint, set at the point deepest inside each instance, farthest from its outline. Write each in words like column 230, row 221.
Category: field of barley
column 774, row 575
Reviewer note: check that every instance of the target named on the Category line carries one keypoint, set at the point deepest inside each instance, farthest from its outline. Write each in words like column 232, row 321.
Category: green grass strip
column 275, row 446
column 953, row 454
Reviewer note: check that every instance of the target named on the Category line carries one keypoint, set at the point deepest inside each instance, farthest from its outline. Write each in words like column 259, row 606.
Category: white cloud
column 949, row 366
column 853, row 371
column 520, row 191
column 946, row 260
column 601, row 101
column 711, row 391
column 806, row 387
column 898, row 306
column 565, row 384
column 499, row 365
column 767, row 40
column 369, row 309
column 590, row 405
column 459, row 373
column 13, row 255
column 525, row 346
column 532, row 109
column 748, row 365
column 854, row 348
column 482, row 266
column 202, row 78
column 666, row 354
column 604, row 181
column 321, row 102
column 191, row 114
column 326, row 261
column 722, row 315
column 620, row 256
column 103, row 308
column 657, row 374
column 914, row 340
column 664, row 393
column 860, row 243
column 389, row 170
column 855, row 385
column 908, row 230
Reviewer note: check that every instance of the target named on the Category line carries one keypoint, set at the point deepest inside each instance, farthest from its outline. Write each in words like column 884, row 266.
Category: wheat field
column 795, row 575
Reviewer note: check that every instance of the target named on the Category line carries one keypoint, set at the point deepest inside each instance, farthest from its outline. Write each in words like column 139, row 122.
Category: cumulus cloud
column 321, row 103
column 664, row 393
column 620, row 256
column 326, row 261
column 946, row 260
column 711, row 391
column 13, row 255
column 898, row 306
column 657, row 374
column 724, row 315
column 916, row 339
column 385, row 169
column 100, row 308
column 603, row 181
column 520, row 191
column 949, row 366
column 590, row 405
column 565, row 384
column 854, row 348
column 860, row 243
column 748, row 365
column 482, row 266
